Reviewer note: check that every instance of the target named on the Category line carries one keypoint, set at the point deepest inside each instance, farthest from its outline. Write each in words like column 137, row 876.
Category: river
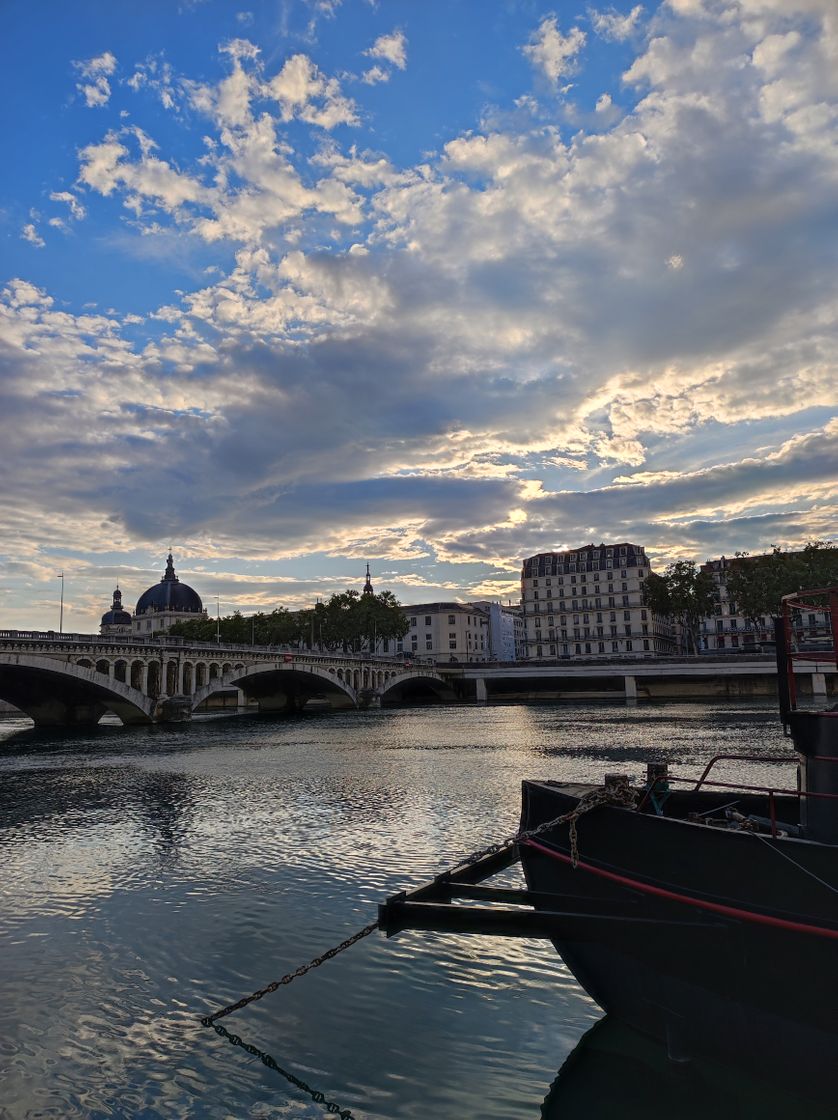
column 151, row 875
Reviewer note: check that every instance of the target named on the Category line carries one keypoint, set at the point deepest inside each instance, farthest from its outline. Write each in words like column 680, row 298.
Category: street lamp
column 217, row 621
column 61, row 608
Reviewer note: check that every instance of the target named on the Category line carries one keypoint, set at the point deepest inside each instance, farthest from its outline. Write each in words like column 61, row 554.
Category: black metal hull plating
column 747, row 977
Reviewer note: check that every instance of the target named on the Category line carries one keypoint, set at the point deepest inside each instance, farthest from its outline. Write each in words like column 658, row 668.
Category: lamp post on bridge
column 217, row 621
column 61, row 607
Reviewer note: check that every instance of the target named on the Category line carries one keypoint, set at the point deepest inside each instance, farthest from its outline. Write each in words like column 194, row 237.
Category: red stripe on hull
column 673, row 896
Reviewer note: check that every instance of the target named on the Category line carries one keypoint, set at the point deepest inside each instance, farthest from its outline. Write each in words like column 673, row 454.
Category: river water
column 151, row 875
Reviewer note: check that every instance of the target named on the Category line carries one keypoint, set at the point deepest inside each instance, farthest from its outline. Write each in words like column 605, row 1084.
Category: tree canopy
column 684, row 594
column 348, row 621
column 757, row 584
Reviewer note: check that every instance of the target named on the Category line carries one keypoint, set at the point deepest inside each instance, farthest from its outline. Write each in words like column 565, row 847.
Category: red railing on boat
column 822, row 600
column 771, row 792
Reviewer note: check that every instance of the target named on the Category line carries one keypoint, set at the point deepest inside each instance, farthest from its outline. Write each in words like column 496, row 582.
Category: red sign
column 288, row 657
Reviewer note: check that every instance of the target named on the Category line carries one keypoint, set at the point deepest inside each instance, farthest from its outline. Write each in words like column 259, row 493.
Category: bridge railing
column 182, row 646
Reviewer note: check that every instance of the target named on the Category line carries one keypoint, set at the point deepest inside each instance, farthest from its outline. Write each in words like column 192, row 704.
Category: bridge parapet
column 160, row 669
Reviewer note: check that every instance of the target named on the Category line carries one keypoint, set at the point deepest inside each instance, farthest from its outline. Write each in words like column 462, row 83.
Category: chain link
column 209, row 1020
column 271, row 1063
column 618, row 793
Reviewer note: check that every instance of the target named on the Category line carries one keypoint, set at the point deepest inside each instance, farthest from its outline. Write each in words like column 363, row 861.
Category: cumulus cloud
column 553, row 53
column 525, row 340
column 29, row 233
column 96, row 89
column 615, row 25
column 77, row 211
column 390, row 48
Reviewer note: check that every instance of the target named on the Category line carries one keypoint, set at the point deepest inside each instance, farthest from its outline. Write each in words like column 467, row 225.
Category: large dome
column 170, row 595
column 116, row 616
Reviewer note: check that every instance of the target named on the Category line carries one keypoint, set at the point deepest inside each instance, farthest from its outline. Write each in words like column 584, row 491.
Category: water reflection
column 153, row 874
column 614, row 1071
column 267, row 1060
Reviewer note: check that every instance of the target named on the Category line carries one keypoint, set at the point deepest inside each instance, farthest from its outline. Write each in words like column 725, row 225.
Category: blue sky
column 294, row 286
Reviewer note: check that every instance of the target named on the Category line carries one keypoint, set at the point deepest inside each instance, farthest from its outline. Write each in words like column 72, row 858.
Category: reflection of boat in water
column 615, row 1071
column 705, row 917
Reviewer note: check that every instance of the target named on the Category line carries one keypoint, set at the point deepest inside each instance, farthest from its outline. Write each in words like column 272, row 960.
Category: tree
column 682, row 593
column 757, row 584
column 348, row 621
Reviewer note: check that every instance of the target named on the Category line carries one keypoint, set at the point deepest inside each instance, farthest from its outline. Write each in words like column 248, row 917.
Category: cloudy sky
column 304, row 284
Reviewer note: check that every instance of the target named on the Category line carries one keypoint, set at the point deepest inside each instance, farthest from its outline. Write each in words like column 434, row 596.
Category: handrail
column 792, row 758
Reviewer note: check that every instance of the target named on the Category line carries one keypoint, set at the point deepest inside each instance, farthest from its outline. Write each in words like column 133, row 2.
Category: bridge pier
column 481, row 691
column 819, row 686
column 630, row 685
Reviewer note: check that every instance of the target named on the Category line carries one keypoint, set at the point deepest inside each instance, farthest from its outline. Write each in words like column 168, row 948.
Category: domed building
column 166, row 603
column 117, row 620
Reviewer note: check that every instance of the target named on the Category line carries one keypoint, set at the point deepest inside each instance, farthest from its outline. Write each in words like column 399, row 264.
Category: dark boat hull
column 723, row 970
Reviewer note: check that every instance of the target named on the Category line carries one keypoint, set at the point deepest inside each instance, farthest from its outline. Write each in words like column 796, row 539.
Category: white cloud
column 29, row 233
column 92, row 67
column 615, row 25
column 526, row 337
column 390, row 48
column 551, row 52
column 76, row 209
column 97, row 90
column 374, row 75
column 303, row 92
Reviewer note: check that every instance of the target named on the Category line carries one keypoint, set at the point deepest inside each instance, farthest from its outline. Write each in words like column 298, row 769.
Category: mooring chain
column 619, row 794
column 208, row 1020
column 271, row 1063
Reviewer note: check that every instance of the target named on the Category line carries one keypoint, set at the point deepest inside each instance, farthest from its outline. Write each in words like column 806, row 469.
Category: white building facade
column 506, row 628
column 588, row 603
column 447, row 632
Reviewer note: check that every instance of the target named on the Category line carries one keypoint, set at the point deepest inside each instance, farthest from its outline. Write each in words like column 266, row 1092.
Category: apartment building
column 447, row 631
column 587, row 603
column 506, row 630
column 727, row 630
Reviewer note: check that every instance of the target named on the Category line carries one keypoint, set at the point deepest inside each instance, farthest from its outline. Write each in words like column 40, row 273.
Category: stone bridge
column 73, row 679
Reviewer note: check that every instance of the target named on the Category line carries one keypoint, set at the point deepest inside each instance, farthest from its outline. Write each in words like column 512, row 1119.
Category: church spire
column 170, row 576
column 367, row 584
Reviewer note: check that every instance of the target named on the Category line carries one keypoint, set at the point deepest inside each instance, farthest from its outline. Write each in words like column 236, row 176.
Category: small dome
column 170, row 595
column 116, row 616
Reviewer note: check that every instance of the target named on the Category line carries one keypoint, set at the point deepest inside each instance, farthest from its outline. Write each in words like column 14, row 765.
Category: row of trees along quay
column 348, row 622
column 755, row 585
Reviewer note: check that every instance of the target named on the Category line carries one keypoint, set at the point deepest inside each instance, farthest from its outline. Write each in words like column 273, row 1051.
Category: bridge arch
column 400, row 685
column 279, row 686
column 59, row 693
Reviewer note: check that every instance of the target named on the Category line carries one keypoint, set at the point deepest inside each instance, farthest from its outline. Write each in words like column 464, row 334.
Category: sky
column 296, row 285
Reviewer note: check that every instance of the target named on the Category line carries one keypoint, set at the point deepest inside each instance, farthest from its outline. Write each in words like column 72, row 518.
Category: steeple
column 170, row 576
column 116, row 605
column 367, row 584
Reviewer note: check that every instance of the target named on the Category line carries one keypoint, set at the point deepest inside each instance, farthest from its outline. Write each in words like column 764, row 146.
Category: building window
column 615, row 647
column 645, row 643
column 629, row 646
column 429, row 643
column 413, row 621
column 452, row 645
column 451, row 620
column 427, row 620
